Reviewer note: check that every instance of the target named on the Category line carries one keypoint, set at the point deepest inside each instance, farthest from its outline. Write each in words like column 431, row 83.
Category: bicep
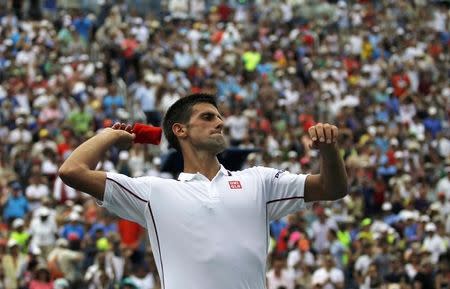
column 313, row 189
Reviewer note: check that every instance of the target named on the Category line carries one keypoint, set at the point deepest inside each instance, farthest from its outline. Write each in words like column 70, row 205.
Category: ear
column 179, row 130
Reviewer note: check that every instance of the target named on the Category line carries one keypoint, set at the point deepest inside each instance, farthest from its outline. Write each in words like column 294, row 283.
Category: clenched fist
column 124, row 134
column 323, row 134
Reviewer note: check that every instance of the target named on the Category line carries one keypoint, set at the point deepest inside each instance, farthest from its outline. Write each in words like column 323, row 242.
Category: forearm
column 78, row 171
column 333, row 176
column 89, row 153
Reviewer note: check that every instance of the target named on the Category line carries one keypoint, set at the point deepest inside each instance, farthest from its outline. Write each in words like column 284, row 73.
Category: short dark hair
column 180, row 112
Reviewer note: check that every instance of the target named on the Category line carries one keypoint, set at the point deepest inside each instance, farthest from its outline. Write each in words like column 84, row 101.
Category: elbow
column 337, row 193
column 64, row 173
column 68, row 173
column 342, row 192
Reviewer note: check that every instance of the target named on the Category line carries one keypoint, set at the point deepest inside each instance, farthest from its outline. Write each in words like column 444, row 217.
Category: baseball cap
column 60, row 284
column 386, row 206
column 17, row 223
column 430, row 227
column 74, row 216
column 366, row 222
column 43, row 211
column 16, row 186
column 43, row 133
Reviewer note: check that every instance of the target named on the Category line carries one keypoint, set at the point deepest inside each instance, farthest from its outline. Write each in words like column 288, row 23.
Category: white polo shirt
column 208, row 234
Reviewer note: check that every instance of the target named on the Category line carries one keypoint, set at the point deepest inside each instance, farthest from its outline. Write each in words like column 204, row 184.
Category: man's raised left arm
column 331, row 183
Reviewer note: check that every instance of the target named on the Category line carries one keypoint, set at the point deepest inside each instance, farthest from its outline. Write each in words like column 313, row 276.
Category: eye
column 208, row 116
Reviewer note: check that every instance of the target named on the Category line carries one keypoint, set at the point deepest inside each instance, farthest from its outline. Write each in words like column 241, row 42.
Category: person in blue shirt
column 432, row 123
column 410, row 230
column 16, row 205
column 389, row 217
column 276, row 227
column 83, row 25
column 112, row 101
column 106, row 225
column 74, row 227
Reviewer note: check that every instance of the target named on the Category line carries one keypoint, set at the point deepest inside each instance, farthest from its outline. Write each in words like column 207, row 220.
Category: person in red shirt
column 42, row 279
column 130, row 233
column 401, row 83
column 224, row 11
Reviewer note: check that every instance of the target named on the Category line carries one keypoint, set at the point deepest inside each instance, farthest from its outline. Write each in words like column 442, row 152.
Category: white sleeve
column 127, row 197
column 283, row 191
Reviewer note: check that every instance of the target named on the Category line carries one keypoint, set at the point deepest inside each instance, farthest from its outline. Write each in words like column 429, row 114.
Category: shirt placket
column 213, row 192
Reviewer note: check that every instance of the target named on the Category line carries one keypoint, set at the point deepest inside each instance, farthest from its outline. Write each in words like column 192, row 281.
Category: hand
column 125, row 135
column 323, row 135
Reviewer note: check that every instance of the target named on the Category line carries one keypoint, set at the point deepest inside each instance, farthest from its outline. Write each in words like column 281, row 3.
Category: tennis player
column 209, row 228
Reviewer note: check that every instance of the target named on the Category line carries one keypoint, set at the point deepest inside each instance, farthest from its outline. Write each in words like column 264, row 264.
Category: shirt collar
column 186, row 177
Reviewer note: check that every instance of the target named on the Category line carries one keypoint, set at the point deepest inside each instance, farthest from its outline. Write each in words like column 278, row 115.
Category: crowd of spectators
column 376, row 69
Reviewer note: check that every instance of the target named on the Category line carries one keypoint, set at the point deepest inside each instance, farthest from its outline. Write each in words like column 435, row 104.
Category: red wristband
column 147, row 134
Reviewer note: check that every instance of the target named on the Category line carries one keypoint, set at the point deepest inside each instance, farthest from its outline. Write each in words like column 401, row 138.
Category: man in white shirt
column 328, row 276
column 443, row 185
column 433, row 243
column 280, row 275
column 43, row 230
column 20, row 135
column 36, row 191
column 238, row 125
column 209, row 229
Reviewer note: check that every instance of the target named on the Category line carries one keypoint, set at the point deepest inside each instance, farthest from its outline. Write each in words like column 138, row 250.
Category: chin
column 216, row 146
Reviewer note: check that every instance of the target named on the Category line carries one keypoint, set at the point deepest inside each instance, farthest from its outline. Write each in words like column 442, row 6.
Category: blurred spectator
column 43, row 230
column 280, row 275
column 16, row 205
column 11, row 264
column 99, row 275
column 74, row 229
column 18, row 233
column 36, row 191
column 42, row 279
column 328, row 276
column 424, row 278
column 433, row 243
column 64, row 262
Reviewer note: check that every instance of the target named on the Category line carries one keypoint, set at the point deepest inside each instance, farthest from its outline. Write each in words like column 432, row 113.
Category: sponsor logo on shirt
column 235, row 185
column 279, row 173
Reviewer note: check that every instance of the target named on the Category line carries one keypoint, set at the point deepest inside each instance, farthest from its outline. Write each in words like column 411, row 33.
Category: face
column 204, row 130
column 278, row 265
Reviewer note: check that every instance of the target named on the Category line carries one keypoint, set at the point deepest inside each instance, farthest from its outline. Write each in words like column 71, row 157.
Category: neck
column 201, row 162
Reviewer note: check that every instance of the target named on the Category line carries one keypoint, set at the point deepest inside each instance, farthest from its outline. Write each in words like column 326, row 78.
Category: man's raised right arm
column 78, row 171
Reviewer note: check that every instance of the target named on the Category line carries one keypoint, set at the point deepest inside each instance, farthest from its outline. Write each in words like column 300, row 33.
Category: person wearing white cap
column 12, row 262
column 20, row 135
column 389, row 217
column 63, row 262
column 155, row 170
column 19, row 233
column 36, row 191
column 293, row 163
column 328, row 276
column 433, row 242
column 43, row 230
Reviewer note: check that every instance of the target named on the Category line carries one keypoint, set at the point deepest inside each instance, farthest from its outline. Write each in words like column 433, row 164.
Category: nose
column 220, row 123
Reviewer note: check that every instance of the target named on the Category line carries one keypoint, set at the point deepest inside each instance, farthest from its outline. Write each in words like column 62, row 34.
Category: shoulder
column 261, row 171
